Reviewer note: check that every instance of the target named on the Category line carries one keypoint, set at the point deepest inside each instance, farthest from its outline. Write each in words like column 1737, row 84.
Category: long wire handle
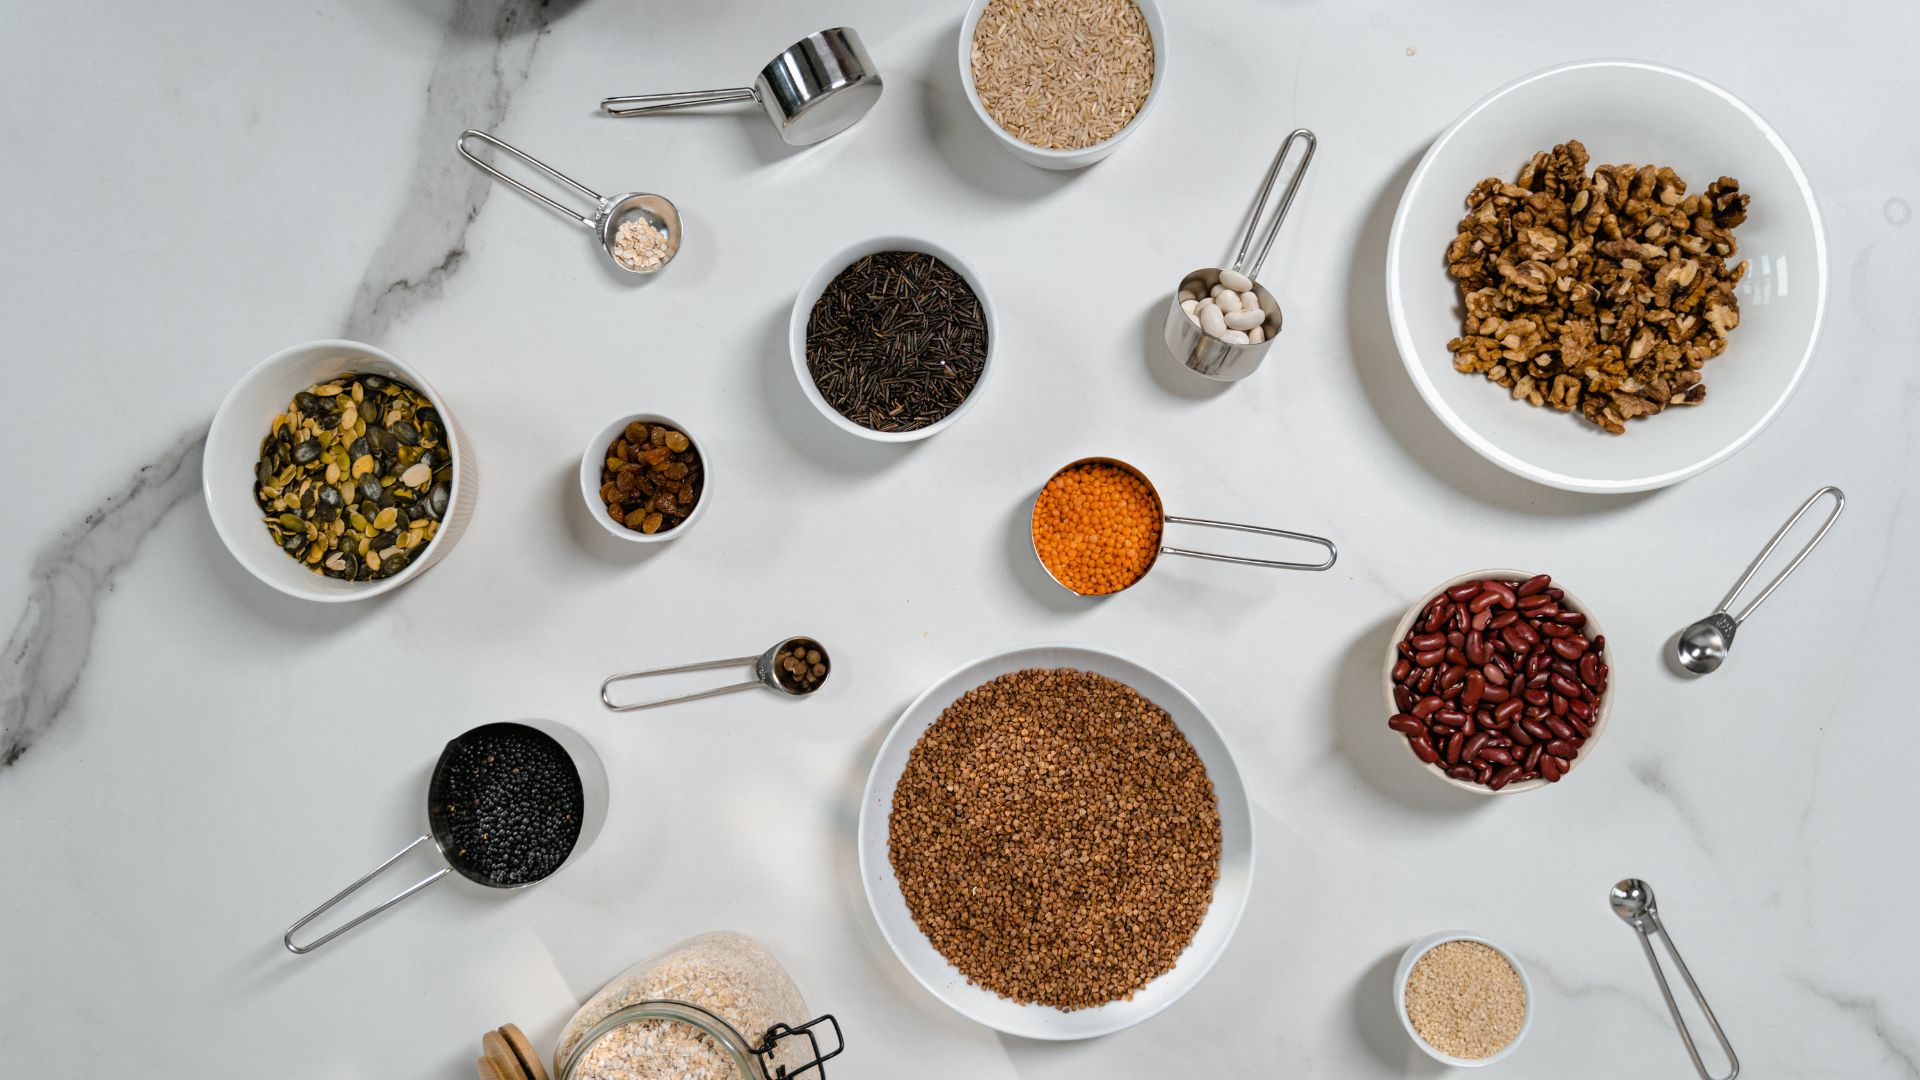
column 1286, row 201
column 589, row 221
column 606, row 695
column 641, row 104
column 287, row 938
column 1839, row 504
column 1333, row 552
column 1673, row 1007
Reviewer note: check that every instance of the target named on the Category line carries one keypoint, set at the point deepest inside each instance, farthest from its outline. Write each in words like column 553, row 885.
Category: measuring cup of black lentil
column 892, row 338
column 508, row 804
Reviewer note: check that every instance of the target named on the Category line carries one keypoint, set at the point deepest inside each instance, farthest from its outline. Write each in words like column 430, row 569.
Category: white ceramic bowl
column 817, row 284
column 233, row 450
column 945, row 981
column 1592, row 630
column 1624, row 111
column 595, row 456
column 1413, row 955
column 1064, row 159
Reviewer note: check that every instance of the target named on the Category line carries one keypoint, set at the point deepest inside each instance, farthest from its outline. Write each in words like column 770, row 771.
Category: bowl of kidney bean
column 1498, row 683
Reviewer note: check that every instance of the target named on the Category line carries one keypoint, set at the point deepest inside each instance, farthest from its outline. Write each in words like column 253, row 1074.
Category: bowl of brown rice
column 1061, row 82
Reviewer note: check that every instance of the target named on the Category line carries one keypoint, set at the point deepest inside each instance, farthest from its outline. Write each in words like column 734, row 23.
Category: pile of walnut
column 1602, row 292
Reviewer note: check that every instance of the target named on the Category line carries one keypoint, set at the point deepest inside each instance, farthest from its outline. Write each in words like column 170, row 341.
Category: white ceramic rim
column 594, row 457
column 1421, row 948
column 870, row 820
column 1568, row 601
column 1085, row 155
column 1409, row 353
column 222, row 418
column 816, row 285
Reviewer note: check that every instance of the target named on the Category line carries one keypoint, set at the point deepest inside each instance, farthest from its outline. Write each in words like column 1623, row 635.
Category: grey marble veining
column 1867, row 1011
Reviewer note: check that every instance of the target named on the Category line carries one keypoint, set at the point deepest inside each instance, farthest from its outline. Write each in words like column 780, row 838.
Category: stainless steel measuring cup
column 587, row 768
column 1226, row 361
column 815, row 89
column 767, row 672
column 1166, row 519
column 609, row 211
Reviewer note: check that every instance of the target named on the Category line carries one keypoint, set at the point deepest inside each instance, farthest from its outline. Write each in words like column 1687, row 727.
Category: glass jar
column 714, row 1007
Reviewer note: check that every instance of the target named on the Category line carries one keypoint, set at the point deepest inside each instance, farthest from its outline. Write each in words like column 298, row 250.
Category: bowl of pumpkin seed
column 334, row 472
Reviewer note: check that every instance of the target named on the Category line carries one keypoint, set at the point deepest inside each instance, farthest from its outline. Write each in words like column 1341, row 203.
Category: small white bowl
column 817, row 284
column 233, row 450
column 595, row 457
column 1624, row 111
column 1063, row 159
column 1569, row 602
column 1421, row 948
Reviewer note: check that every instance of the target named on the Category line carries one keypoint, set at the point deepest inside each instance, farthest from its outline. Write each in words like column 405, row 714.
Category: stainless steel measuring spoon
column 767, row 672
column 1632, row 900
column 1703, row 646
column 1226, row 361
column 609, row 211
column 815, row 89
column 1166, row 519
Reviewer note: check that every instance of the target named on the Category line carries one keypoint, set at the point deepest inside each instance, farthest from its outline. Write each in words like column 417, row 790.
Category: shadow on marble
column 969, row 149
column 1377, row 754
column 800, row 426
column 269, row 606
column 1419, row 434
column 588, row 536
column 1166, row 369
column 1378, row 1025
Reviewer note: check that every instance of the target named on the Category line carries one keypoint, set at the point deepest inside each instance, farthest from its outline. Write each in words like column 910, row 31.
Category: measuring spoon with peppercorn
column 795, row 665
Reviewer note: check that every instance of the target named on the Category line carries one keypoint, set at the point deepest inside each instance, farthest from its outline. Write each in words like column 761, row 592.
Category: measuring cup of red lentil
column 1097, row 525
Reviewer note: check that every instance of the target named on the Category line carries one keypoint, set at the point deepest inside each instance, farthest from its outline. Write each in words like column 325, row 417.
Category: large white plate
column 1040, row 1021
column 1624, row 111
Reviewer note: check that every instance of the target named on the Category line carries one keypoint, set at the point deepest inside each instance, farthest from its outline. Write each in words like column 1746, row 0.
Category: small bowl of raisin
column 644, row 478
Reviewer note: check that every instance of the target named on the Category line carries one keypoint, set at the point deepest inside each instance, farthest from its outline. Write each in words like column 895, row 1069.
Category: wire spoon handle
column 1632, row 900
column 638, row 104
column 1333, row 553
column 1839, row 504
column 590, row 222
column 606, row 688
column 1286, row 201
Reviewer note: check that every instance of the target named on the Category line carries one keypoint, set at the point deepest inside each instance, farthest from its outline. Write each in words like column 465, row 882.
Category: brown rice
column 1062, row 74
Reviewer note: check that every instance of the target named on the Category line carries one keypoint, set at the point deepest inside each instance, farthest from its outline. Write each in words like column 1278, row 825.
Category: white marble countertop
column 189, row 761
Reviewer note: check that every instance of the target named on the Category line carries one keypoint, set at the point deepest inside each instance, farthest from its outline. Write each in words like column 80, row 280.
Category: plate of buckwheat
column 1607, row 276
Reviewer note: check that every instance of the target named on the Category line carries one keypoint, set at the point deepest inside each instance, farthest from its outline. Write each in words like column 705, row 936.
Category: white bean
column 1191, row 307
column 1189, row 293
column 1245, row 320
column 1256, row 335
column 1211, row 321
column 1235, row 337
column 1249, row 299
column 1235, row 280
column 1229, row 301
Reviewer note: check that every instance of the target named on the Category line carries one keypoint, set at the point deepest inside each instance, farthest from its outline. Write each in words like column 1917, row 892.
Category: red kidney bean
column 1502, row 590
column 1560, row 728
column 1461, row 772
column 1534, row 585
column 1453, row 675
column 1480, row 620
column 1556, row 664
column 1600, row 643
column 1406, row 725
column 1560, row 748
column 1426, row 707
column 1474, row 745
column 1552, row 630
column 1484, row 601
column 1533, row 758
column 1456, row 655
column 1422, row 749
column 1526, row 632
column 1496, row 694
column 1452, row 753
column 1520, row 736
column 1570, row 647
column 1575, row 619
column 1503, row 620
column 1494, row 674
column 1550, row 769
column 1403, row 699
column 1534, row 697
column 1559, row 705
column 1401, row 669
column 1563, row 685
column 1532, row 604
column 1428, row 642
column 1476, row 688
column 1536, row 729
column 1429, row 659
column 1581, row 709
column 1507, row 713
column 1504, row 777
column 1463, row 592
column 1459, row 619
column 1580, row 728
column 1557, row 593
column 1538, row 680
column 1448, row 718
column 1497, row 755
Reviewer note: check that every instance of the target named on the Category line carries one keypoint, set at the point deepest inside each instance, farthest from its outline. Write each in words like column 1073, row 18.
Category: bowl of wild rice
column 1061, row 82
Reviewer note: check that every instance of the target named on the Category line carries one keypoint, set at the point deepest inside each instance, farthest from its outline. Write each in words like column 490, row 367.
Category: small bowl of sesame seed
column 1464, row 1000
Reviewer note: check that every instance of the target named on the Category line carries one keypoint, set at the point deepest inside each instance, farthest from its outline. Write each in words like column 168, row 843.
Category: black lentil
column 507, row 804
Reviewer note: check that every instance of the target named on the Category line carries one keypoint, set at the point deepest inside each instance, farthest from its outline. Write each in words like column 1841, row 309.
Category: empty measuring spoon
column 767, row 672
column 609, row 211
column 1632, row 900
column 1702, row 646
column 815, row 89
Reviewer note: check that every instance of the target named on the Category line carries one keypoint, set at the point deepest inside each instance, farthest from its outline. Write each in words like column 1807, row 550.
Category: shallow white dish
column 1413, row 955
column 233, row 449
column 594, row 457
column 1624, row 111
column 945, row 981
column 810, row 294
column 1063, row 159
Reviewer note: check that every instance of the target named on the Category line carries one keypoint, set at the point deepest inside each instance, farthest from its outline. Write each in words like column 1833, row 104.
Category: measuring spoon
column 1703, row 646
column 609, row 211
column 816, row 88
column 766, row 672
column 1632, row 900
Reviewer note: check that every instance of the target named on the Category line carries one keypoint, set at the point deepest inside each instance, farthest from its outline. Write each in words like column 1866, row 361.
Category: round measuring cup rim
column 1033, row 541
column 594, row 458
column 588, row 768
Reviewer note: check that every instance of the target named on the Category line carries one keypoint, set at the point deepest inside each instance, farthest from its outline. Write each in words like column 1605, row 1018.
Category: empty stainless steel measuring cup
column 609, row 211
column 1226, row 361
column 588, row 769
column 1333, row 552
column 767, row 672
column 815, row 89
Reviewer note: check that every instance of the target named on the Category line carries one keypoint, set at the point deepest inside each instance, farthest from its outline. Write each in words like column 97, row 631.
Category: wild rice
column 1062, row 74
